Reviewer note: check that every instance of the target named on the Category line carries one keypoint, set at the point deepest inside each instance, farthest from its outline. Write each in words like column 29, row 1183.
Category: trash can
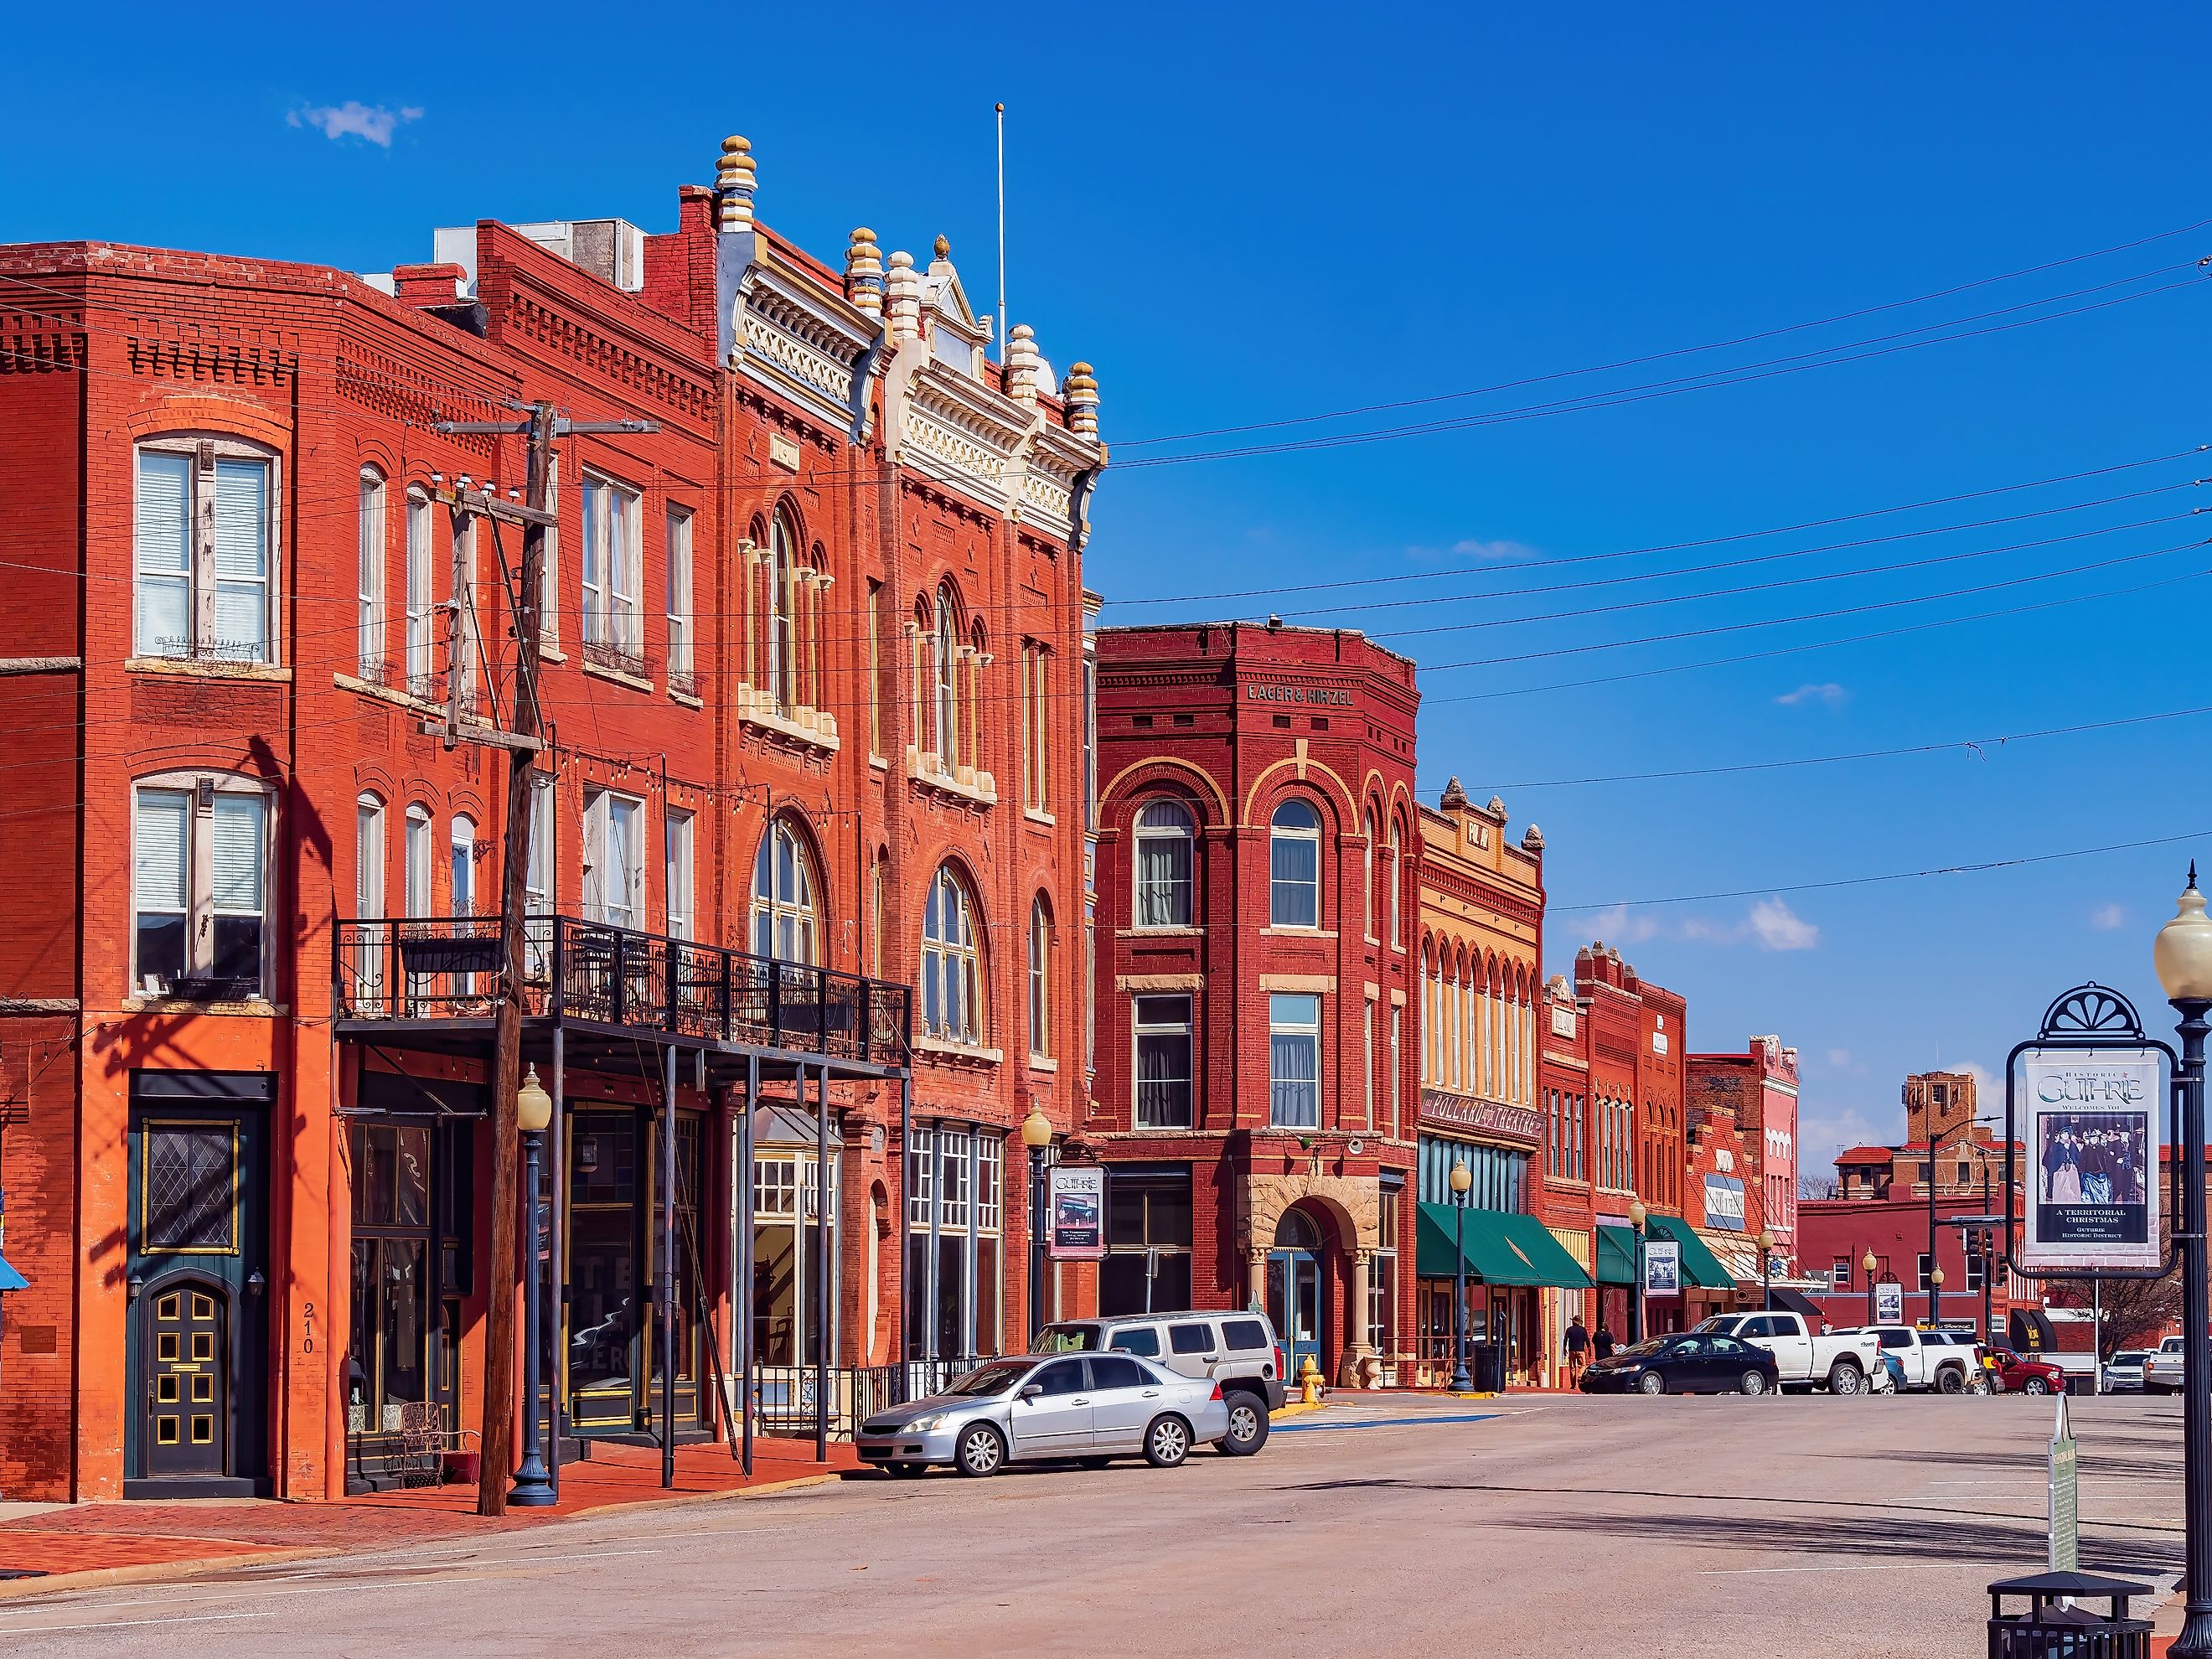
column 2051, row 1628
column 1485, row 1363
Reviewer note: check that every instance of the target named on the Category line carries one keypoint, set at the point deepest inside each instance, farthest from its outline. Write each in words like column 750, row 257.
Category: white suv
column 2162, row 1371
column 1239, row 1350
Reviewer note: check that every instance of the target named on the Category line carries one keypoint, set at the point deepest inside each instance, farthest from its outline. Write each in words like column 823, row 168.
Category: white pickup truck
column 1839, row 1362
column 1930, row 1359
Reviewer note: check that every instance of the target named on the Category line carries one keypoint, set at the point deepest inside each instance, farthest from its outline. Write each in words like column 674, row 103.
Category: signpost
column 1663, row 1267
column 2065, row 1497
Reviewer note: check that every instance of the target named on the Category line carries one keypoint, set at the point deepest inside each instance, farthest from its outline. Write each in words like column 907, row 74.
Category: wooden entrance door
column 186, row 1337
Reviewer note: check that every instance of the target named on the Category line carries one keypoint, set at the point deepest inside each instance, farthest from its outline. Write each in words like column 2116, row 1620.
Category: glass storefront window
column 954, row 1262
column 786, row 1236
column 1148, row 1242
column 1500, row 1174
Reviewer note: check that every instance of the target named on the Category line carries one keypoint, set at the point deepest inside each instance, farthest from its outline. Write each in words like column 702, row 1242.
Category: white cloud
column 1820, row 1136
column 355, row 119
column 1493, row 549
column 2108, row 918
column 1840, row 1059
column 1619, row 925
column 1989, row 1088
column 1828, row 695
column 1777, row 927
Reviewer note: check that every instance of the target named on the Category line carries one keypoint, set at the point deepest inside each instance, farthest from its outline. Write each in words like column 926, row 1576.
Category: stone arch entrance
column 1297, row 1286
column 1330, row 1221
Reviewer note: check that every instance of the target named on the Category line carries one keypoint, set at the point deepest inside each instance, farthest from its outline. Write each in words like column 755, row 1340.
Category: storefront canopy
column 1795, row 1301
column 1700, row 1266
column 10, row 1280
column 1501, row 1248
column 1616, row 1255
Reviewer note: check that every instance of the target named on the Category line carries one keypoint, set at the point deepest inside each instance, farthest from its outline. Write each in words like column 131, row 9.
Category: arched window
column 951, row 976
column 947, row 730
column 1164, row 841
column 462, row 888
column 1294, row 866
column 1040, row 979
column 372, row 577
column 1367, row 860
column 417, row 858
column 1392, row 874
column 782, row 629
column 368, row 896
column 783, row 897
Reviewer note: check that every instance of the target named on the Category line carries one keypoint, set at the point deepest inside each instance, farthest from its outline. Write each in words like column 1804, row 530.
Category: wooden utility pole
column 497, row 1438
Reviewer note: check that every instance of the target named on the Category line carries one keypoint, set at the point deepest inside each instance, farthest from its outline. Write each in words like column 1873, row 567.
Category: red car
column 2016, row 1374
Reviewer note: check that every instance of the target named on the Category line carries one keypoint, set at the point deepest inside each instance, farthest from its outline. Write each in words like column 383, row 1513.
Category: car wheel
column 979, row 1452
column 1753, row 1382
column 1651, row 1383
column 1950, row 1380
column 1167, row 1443
column 1248, row 1424
column 2035, row 1385
column 1844, row 1378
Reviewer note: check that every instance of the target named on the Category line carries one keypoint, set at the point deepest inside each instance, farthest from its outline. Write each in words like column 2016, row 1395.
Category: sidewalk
column 79, row 1545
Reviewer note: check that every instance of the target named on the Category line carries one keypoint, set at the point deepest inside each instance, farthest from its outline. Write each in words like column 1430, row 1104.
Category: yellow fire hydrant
column 1310, row 1382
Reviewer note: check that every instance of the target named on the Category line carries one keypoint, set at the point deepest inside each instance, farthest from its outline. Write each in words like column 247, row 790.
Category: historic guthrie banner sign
column 2091, row 1147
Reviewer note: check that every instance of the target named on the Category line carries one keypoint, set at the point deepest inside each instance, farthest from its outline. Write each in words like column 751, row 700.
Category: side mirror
column 1032, row 1391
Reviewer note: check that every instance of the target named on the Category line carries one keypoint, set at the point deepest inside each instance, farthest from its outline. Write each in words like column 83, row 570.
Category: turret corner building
column 807, row 854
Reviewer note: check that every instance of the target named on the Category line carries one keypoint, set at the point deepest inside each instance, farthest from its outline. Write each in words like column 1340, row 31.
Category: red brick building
column 1255, row 1099
column 812, row 651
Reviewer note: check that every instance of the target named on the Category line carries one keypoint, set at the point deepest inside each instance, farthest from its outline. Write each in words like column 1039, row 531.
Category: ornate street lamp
column 1868, row 1262
column 1637, row 1217
column 2183, row 955
column 1765, row 1269
column 534, row 1110
column 1036, row 1135
column 1935, row 1294
column 1461, row 1179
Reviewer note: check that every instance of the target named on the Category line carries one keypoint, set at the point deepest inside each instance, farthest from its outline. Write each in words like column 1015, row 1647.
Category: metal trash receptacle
column 2052, row 1628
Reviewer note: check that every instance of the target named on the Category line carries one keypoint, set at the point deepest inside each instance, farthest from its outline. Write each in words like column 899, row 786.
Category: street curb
column 198, row 1567
column 1299, row 1408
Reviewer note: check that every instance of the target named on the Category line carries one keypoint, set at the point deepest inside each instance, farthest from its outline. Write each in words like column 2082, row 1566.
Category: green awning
column 1616, row 1255
column 1700, row 1266
column 1501, row 1248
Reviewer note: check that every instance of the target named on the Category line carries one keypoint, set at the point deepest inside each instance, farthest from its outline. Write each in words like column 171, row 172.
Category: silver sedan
column 1082, row 1408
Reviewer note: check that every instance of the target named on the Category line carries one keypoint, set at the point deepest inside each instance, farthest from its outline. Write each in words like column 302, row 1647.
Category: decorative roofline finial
column 736, row 179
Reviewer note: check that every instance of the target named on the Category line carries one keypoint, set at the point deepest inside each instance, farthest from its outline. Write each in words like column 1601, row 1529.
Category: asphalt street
column 1722, row 1526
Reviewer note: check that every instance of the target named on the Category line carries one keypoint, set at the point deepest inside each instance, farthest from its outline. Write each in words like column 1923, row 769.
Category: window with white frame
column 1162, row 1041
column 614, row 859
column 1164, row 843
column 199, row 866
column 1040, row 979
column 468, row 650
column 611, row 575
column 538, row 876
column 549, row 568
column 954, row 1261
column 417, row 856
column 1923, row 1270
column 461, row 889
column 1294, row 866
column 1036, row 725
column 951, row 968
column 371, row 629
column 421, row 610
column 874, row 621
column 783, row 670
column 681, row 675
column 676, row 872
column 785, row 926
column 1367, row 1057
column 1391, row 874
column 368, row 896
column 947, row 732
column 1367, row 862
column 205, row 552
column 1294, row 1060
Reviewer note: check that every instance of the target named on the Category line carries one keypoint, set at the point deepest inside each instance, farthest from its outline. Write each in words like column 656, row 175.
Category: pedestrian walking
column 1578, row 1341
column 1601, row 1344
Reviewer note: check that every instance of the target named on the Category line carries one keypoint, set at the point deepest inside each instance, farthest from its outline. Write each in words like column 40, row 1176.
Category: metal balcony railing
column 416, row 969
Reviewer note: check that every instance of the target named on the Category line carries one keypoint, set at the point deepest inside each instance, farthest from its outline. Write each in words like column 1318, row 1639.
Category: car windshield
column 2130, row 1357
column 1068, row 1339
column 1724, row 1324
column 1641, row 1350
column 991, row 1379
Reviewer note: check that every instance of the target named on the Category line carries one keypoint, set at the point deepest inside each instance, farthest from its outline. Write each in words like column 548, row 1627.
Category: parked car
column 1696, row 1362
column 1087, row 1408
column 2162, row 1370
column 1236, row 1350
column 2124, row 1371
column 1930, row 1360
column 1839, row 1361
column 2018, row 1374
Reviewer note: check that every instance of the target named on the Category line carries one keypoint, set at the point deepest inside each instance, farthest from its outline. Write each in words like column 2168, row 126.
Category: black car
column 1692, row 1364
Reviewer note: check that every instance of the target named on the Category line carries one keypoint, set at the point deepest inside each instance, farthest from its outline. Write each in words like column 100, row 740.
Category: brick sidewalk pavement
column 189, row 1533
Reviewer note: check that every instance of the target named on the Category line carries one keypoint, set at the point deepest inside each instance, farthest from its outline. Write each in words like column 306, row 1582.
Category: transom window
column 1294, row 1058
column 783, row 897
column 951, row 975
column 1165, row 840
column 199, row 861
column 1294, row 866
column 205, row 551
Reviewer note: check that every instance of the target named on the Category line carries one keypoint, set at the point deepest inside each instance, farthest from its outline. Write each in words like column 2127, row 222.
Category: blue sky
column 1244, row 217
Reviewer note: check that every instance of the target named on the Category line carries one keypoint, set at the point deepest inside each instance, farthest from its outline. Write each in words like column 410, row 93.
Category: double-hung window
column 1036, row 663
column 421, row 612
column 371, row 655
column 1294, row 1060
column 199, row 875
column 675, row 859
column 611, row 575
column 682, row 675
column 1163, row 1061
column 951, row 962
column 1164, row 841
column 614, row 859
column 1040, row 979
column 368, row 899
column 205, row 555
column 416, row 853
column 1294, row 866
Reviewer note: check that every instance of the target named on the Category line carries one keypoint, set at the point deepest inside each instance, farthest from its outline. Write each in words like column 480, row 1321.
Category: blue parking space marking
column 1307, row 1425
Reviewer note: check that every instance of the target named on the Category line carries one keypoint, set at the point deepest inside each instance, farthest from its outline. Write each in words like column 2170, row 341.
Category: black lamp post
column 1766, row 1270
column 2182, row 955
column 1036, row 1135
column 534, row 1110
column 1934, row 1271
column 1868, row 1262
column 1637, row 1217
column 1461, row 1179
